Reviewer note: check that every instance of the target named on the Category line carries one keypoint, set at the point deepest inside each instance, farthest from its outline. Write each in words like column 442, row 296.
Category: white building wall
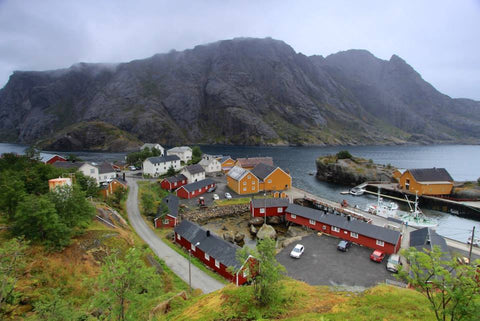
column 158, row 169
column 90, row 171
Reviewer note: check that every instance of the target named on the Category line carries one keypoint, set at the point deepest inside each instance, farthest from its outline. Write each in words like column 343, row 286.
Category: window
column 248, row 177
column 179, row 237
column 269, row 181
column 380, row 243
column 217, row 264
column 166, row 221
column 407, row 184
column 312, row 222
column 192, row 247
column 353, row 234
column 262, row 210
column 293, row 215
column 92, row 171
column 324, row 227
column 207, row 257
column 335, row 229
column 244, row 189
column 253, row 182
column 280, row 210
column 245, row 273
column 245, row 183
column 175, row 184
column 199, row 190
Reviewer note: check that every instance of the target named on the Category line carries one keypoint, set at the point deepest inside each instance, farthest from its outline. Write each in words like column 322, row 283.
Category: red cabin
column 213, row 251
column 344, row 227
column 169, row 218
column 50, row 159
column 173, row 182
column 260, row 207
column 195, row 189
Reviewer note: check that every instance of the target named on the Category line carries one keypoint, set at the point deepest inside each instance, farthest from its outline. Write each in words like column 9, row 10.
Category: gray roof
column 356, row 226
column 176, row 178
column 262, row 170
column 197, row 185
column 44, row 157
column 195, row 169
column 224, row 158
column 431, row 175
column 237, row 172
column 172, row 202
column 216, row 247
column 254, row 161
column 163, row 159
column 68, row 165
column 105, row 168
column 426, row 238
column 270, row 202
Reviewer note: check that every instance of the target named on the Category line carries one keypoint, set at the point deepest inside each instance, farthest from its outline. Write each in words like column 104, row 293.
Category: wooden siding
column 278, row 180
column 248, row 184
column 111, row 188
column 183, row 193
column 227, row 165
column 424, row 189
column 271, row 211
column 171, row 186
column 162, row 223
column 345, row 235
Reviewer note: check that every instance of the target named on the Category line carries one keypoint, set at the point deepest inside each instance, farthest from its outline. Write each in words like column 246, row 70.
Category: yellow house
column 227, row 163
column 272, row 178
column 242, row 181
column 427, row 181
column 397, row 173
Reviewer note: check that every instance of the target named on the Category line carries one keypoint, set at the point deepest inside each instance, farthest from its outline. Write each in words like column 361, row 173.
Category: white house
column 156, row 166
column 100, row 172
column 211, row 165
column 183, row 152
column 106, row 172
column 194, row 173
column 156, row 146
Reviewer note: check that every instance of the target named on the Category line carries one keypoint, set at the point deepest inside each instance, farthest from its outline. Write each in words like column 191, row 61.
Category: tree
column 72, row 207
column 12, row 262
column 148, row 204
column 344, row 154
column 54, row 307
column 196, row 154
column 32, row 153
column 123, row 285
column 452, row 289
column 12, row 191
column 267, row 273
column 37, row 219
column 171, row 171
column 478, row 181
column 88, row 184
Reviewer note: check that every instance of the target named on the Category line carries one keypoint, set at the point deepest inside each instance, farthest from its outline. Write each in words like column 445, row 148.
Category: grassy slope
column 305, row 302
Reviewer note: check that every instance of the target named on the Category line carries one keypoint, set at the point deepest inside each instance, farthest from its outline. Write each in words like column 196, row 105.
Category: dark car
column 343, row 245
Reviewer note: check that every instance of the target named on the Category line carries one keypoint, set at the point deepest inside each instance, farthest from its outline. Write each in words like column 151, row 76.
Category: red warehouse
column 268, row 206
column 174, row 182
column 213, row 251
column 167, row 214
column 356, row 231
column 195, row 189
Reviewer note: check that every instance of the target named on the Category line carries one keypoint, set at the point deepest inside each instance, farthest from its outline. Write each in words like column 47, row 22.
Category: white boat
column 357, row 191
column 476, row 241
column 382, row 208
column 416, row 218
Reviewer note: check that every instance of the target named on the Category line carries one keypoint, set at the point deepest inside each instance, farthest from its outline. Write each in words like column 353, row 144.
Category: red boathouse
column 167, row 218
column 260, row 207
column 195, row 189
column 213, row 251
column 356, row 231
column 173, row 182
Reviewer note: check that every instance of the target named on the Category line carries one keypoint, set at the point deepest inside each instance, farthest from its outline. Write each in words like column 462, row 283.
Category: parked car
column 377, row 256
column 343, row 245
column 212, row 189
column 297, row 251
column 393, row 263
column 228, row 196
column 216, row 197
column 132, row 168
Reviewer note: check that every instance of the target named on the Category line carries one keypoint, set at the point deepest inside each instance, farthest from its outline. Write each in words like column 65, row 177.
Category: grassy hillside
column 305, row 302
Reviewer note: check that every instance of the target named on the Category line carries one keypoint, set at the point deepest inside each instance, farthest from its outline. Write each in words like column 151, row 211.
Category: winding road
column 177, row 263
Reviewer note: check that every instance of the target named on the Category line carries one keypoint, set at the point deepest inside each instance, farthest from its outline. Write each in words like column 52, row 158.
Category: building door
column 407, row 184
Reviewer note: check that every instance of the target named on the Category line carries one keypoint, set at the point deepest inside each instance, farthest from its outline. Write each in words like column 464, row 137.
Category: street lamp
column 190, row 266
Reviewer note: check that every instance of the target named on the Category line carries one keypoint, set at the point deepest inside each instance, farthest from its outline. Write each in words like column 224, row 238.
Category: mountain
column 240, row 91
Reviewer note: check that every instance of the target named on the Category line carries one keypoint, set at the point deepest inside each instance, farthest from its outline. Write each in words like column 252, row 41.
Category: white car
column 228, row 196
column 297, row 251
column 216, row 197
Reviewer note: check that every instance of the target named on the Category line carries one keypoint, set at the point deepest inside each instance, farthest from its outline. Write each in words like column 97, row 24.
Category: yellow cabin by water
column 427, row 181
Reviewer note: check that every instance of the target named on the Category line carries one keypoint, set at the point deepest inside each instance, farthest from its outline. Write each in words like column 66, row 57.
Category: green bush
column 478, row 181
column 344, row 154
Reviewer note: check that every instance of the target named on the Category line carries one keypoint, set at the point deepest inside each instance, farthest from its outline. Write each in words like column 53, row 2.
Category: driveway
column 323, row 264
column 177, row 263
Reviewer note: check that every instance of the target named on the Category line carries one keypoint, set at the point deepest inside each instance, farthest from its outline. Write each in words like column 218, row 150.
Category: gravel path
column 174, row 261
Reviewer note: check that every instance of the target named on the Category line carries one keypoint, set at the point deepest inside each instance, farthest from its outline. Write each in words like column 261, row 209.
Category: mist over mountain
column 240, row 91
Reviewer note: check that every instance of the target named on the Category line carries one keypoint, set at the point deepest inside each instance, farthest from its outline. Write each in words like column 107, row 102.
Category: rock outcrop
column 240, row 91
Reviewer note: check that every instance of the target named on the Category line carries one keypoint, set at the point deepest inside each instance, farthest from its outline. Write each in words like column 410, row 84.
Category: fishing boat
column 357, row 191
column 416, row 218
column 383, row 208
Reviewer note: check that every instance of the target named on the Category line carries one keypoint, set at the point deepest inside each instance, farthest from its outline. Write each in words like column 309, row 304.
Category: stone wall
column 203, row 215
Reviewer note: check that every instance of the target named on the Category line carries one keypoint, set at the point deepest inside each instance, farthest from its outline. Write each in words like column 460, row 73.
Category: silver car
column 393, row 263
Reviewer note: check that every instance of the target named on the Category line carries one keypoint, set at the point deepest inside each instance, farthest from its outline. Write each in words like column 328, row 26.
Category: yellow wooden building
column 227, row 163
column 272, row 178
column 242, row 181
column 427, row 181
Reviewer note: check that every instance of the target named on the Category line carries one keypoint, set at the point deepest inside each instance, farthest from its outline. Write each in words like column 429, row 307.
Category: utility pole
column 471, row 245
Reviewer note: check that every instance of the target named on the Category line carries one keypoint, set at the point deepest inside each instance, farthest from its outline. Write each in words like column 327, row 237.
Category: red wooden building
column 174, row 182
column 356, row 231
column 195, row 189
column 168, row 218
column 268, row 206
column 50, row 159
column 108, row 188
column 213, row 251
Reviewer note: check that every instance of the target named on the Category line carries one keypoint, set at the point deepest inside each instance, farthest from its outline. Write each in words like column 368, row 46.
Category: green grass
column 233, row 201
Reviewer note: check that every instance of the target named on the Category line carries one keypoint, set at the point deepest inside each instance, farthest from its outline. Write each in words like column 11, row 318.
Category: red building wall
column 222, row 270
column 56, row 158
column 159, row 223
column 183, row 193
column 169, row 186
column 271, row 211
column 361, row 239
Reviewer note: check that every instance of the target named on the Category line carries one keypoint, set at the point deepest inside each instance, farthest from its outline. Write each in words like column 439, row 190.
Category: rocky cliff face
column 241, row 91
column 351, row 172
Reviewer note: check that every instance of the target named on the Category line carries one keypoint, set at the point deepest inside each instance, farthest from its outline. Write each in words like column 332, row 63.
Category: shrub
column 344, row 154
column 478, row 181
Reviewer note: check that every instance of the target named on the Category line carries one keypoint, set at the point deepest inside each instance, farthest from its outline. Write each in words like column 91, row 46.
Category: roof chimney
column 208, row 233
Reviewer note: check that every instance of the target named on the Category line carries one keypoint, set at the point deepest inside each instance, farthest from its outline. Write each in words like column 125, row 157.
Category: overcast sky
column 440, row 38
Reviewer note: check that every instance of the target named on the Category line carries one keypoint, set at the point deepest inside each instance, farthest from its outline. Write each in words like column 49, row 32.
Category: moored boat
column 416, row 218
column 357, row 191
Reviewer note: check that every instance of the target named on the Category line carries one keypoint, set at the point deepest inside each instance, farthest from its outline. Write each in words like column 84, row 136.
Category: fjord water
column 461, row 161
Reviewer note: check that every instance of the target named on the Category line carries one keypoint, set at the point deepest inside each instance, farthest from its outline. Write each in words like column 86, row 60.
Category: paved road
column 174, row 261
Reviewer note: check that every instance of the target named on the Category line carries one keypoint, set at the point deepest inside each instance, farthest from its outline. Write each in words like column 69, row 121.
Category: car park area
column 323, row 264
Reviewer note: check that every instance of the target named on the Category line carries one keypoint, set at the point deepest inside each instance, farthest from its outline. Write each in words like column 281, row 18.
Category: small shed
column 173, row 182
column 170, row 217
column 427, row 181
